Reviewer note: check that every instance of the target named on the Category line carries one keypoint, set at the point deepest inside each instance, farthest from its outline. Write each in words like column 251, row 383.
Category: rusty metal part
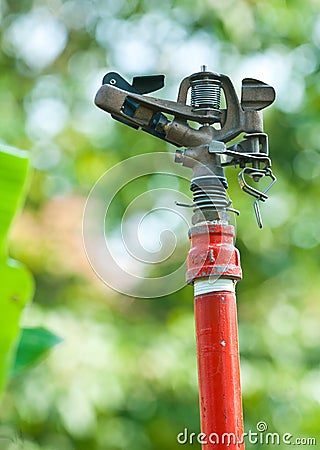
column 174, row 122
column 141, row 111
column 208, row 185
column 212, row 253
column 256, row 95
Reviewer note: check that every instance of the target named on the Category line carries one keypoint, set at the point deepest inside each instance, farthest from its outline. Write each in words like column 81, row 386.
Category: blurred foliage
column 18, row 348
column 34, row 345
column 125, row 375
column 16, row 287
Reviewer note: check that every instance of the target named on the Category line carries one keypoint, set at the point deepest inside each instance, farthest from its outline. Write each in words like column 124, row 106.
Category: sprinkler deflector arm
column 127, row 104
column 213, row 263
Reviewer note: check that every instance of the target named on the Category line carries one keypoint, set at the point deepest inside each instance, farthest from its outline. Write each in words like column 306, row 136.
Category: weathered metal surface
column 212, row 253
column 235, row 118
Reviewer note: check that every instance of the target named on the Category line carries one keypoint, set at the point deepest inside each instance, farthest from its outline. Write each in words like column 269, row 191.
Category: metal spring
column 209, row 194
column 205, row 94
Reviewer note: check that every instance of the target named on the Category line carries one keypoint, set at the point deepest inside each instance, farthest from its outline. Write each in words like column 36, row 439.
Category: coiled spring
column 205, row 94
column 209, row 193
column 210, row 201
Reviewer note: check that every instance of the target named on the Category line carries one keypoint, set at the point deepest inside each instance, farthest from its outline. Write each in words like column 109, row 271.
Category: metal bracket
column 259, row 196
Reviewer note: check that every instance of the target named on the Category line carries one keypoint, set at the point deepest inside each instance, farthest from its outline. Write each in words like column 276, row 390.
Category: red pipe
column 219, row 371
column 213, row 265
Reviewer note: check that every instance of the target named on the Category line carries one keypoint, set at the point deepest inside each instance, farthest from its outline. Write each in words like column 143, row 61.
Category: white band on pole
column 220, row 284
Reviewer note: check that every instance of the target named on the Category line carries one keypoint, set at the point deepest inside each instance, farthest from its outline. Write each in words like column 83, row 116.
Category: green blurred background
column 125, row 375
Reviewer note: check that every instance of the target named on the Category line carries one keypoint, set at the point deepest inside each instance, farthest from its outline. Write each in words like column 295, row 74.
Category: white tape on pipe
column 206, row 286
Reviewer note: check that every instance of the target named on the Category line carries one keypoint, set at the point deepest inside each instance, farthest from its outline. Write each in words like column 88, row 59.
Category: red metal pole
column 213, row 265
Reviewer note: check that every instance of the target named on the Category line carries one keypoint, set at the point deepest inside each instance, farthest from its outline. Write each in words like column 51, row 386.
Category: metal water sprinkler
column 204, row 128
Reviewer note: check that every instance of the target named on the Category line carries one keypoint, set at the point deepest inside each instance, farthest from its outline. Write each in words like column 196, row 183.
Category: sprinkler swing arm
column 127, row 103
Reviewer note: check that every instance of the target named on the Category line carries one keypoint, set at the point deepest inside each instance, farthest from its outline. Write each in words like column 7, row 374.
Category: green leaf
column 16, row 283
column 14, row 166
column 33, row 346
